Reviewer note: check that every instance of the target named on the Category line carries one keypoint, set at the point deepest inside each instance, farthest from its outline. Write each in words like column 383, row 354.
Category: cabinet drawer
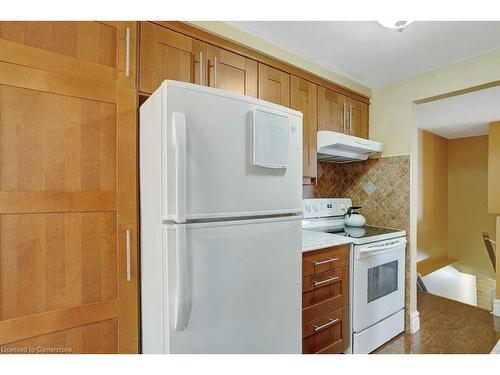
column 325, row 286
column 327, row 306
column 327, row 334
column 324, row 260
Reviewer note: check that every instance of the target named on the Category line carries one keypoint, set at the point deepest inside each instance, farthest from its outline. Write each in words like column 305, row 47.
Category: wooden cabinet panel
column 232, row 72
column 55, row 261
column 319, row 261
column 68, row 204
column 327, row 334
column 358, row 118
column 328, row 285
column 94, row 50
column 330, row 110
column 100, row 337
column 165, row 54
column 274, row 85
column 303, row 97
column 65, row 146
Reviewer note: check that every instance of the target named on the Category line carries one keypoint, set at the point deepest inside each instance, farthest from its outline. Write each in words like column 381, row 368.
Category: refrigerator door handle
column 179, row 142
column 181, row 304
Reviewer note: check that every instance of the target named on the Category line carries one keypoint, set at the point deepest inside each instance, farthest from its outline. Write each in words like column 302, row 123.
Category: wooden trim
column 429, row 265
column 127, row 209
column 37, row 58
column 261, row 57
column 18, row 202
column 40, row 80
column 17, row 329
column 458, row 92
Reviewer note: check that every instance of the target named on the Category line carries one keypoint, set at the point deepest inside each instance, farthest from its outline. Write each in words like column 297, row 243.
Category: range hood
column 341, row 148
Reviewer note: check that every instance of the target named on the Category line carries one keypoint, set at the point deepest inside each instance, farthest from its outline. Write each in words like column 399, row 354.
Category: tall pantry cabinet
column 68, row 187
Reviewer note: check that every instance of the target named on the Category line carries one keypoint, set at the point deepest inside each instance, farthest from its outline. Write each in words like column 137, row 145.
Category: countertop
column 318, row 240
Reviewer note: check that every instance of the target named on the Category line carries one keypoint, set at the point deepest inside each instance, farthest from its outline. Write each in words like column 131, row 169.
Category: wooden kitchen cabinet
column 165, row 54
column 232, row 72
column 325, row 300
column 68, row 193
column 330, row 110
column 274, row 85
column 358, row 117
column 342, row 114
column 303, row 97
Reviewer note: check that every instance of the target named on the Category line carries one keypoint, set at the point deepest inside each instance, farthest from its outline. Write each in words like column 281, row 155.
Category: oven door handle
column 388, row 245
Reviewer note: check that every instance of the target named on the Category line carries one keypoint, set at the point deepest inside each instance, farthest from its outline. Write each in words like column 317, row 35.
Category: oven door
column 378, row 282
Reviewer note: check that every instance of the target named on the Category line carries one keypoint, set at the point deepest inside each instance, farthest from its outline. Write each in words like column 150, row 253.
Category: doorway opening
column 452, row 258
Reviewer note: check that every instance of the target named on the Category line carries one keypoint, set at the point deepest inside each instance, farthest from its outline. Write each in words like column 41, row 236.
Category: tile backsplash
column 380, row 186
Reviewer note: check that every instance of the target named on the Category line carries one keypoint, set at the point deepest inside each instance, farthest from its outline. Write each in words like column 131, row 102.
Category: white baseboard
column 415, row 322
column 496, row 307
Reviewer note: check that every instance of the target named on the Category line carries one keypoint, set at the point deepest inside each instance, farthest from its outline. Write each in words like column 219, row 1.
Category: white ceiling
column 373, row 55
column 461, row 116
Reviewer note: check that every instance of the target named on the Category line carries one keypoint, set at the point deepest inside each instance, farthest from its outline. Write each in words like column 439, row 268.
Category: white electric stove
column 377, row 274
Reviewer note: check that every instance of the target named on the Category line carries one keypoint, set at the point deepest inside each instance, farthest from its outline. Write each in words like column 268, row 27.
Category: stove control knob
column 315, row 208
column 343, row 207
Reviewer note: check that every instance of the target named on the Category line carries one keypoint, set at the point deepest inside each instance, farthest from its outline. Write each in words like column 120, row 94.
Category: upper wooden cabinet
column 303, row 97
column 330, row 110
column 274, row 85
column 358, row 118
column 232, row 72
column 165, row 54
column 342, row 114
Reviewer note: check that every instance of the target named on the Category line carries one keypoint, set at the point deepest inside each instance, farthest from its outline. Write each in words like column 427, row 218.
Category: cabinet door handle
column 350, row 119
column 127, row 52
column 215, row 72
column 330, row 260
column 201, row 68
column 344, row 114
column 316, row 283
column 326, row 325
column 127, row 240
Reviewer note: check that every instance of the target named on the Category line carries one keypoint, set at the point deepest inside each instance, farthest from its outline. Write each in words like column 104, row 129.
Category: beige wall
column 392, row 119
column 468, row 201
column 494, row 168
column 453, row 200
column 227, row 31
column 432, row 222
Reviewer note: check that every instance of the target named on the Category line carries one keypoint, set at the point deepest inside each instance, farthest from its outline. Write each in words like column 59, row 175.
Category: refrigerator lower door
column 236, row 287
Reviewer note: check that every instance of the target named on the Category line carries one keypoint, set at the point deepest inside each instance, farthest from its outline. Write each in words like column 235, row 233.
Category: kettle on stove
column 353, row 218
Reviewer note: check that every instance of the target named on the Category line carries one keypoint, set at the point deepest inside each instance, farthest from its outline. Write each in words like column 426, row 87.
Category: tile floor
column 449, row 327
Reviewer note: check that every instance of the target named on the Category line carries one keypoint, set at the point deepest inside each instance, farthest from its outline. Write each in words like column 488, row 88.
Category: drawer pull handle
column 316, row 283
column 330, row 260
column 326, row 325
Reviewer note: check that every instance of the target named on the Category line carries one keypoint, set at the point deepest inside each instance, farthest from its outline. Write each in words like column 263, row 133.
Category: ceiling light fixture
column 395, row 25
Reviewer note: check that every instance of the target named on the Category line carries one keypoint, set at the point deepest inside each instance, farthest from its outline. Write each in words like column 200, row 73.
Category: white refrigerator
column 221, row 205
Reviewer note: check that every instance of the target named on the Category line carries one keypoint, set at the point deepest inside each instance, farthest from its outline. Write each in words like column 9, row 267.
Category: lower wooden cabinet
column 325, row 301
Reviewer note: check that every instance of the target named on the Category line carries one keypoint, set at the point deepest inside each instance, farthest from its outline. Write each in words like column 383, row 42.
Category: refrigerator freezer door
column 243, row 292
column 222, row 178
